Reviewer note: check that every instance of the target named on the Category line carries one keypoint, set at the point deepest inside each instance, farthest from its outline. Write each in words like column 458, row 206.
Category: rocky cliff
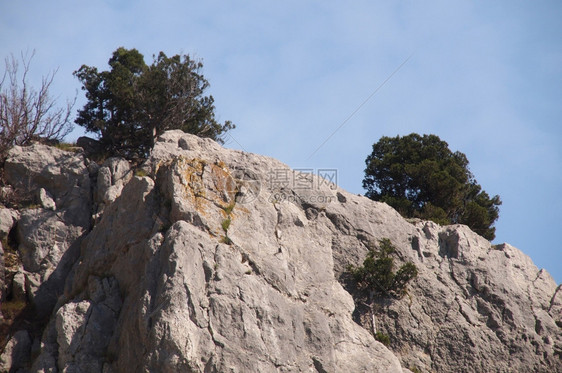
column 214, row 260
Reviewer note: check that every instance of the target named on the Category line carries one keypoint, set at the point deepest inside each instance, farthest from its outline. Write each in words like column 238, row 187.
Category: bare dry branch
column 27, row 114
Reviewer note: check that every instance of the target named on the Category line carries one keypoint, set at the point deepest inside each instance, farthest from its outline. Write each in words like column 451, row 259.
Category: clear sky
column 484, row 76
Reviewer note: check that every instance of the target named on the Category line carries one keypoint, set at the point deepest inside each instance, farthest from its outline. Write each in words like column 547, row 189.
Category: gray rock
column 473, row 307
column 46, row 200
column 112, row 176
column 43, row 238
column 49, row 237
column 466, row 309
column 194, row 303
column 77, row 338
column 90, row 146
column 62, row 174
column 227, row 261
column 46, row 356
column 49, row 244
column 18, row 287
column 8, row 219
column 16, row 354
column 2, row 277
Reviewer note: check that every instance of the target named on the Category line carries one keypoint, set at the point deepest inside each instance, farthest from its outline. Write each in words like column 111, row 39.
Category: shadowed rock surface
column 225, row 261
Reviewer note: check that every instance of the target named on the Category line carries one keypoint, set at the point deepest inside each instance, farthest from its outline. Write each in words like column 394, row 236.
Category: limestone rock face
column 8, row 219
column 50, row 231
column 225, row 261
column 488, row 306
column 16, row 353
column 196, row 295
column 63, row 175
column 111, row 177
column 2, row 277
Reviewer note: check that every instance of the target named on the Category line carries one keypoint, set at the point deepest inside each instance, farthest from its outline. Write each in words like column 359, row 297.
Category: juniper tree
column 421, row 177
column 132, row 103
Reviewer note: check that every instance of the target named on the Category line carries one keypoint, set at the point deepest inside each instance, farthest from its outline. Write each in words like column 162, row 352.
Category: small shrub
column 140, row 172
column 30, row 206
column 226, row 240
column 383, row 338
column 12, row 308
column 377, row 277
column 228, row 209
column 16, row 198
column 377, row 273
column 11, row 257
column 226, row 224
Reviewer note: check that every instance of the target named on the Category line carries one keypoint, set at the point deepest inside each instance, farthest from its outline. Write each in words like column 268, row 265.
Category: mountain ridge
column 222, row 260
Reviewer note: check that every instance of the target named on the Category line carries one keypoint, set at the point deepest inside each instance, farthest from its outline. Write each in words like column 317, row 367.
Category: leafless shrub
column 27, row 114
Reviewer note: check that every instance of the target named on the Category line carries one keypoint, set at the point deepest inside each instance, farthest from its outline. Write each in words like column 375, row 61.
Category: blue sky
column 485, row 77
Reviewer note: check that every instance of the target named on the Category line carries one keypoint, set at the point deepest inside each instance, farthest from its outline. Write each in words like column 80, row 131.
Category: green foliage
column 11, row 256
column 421, row 177
column 226, row 240
column 132, row 103
column 10, row 309
column 228, row 209
column 226, row 224
column 382, row 338
column 140, row 172
column 377, row 273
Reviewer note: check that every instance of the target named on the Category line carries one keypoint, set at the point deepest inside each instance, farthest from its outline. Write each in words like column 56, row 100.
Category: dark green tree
column 377, row 277
column 132, row 103
column 377, row 273
column 421, row 177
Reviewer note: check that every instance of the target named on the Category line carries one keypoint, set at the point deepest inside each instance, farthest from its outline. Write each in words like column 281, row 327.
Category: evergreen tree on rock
column 132, row 103
column 422, row 178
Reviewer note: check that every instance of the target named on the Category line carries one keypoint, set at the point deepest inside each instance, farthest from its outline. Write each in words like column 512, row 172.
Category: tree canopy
column 132, row 103
column 421, row 177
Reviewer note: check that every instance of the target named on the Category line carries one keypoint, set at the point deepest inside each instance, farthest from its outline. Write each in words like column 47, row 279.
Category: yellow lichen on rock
column 208, row 187
column 190, row 172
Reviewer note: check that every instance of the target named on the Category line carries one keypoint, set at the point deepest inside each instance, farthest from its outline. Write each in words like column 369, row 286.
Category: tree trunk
column 373, row 319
